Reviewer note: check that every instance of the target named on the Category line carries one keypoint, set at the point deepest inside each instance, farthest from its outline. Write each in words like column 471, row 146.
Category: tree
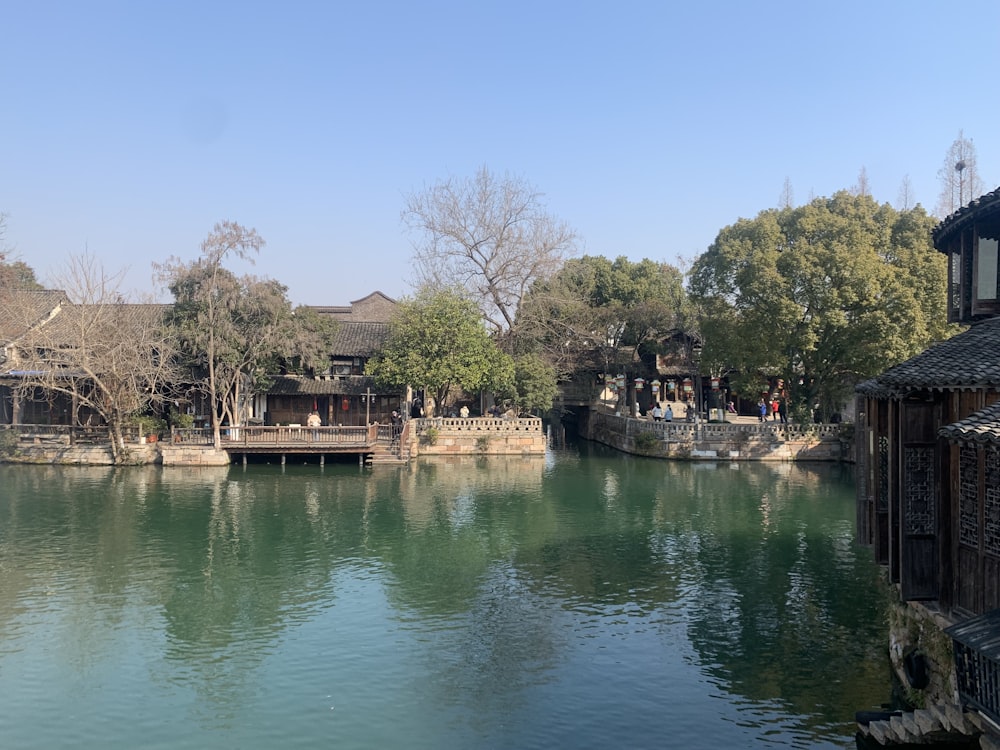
column 959, row 176
column 535, row 386
column 823, row 295
column 437, row 341
column 238, row 330
column 862, row 187
column 787, row 199
column 14, row 274
column 597, row 307
column 108, row 355
column 905, row 199
column 491, row 237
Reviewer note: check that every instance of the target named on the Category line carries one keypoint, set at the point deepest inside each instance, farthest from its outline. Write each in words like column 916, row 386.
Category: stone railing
column 755, row 441
column 477, row 435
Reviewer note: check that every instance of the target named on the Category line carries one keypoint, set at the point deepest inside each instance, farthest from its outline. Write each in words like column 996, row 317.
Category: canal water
column 586, row 599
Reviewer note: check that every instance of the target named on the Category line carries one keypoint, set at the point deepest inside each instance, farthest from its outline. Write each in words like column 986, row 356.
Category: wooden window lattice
column 991, row 502
column 968, row 480
column 883, row 473
column 918, row 490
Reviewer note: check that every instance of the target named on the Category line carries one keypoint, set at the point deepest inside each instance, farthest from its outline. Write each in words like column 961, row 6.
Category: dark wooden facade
column 343, row 395
column 928, row 439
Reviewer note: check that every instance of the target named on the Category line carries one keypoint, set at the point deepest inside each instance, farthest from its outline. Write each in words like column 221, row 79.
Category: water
column 582, row 600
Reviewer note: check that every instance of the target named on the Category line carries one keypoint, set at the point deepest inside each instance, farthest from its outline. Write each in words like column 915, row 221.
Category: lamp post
column 960, row 168
column 696, row 349
column 368, row 404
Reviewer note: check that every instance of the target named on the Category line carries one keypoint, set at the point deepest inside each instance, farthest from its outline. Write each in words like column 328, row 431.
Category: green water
column 582, row 600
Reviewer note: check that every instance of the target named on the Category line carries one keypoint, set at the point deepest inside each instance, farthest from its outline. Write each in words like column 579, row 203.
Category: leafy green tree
column 238, row 330
column 437, row 341
column 535, row 386
column 596, row 308
column 823, row 295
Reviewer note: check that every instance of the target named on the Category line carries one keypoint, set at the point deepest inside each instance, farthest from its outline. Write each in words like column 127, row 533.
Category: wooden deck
column 373, row 442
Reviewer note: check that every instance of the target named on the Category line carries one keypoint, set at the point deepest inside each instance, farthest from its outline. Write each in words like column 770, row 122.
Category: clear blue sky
column 128, row 129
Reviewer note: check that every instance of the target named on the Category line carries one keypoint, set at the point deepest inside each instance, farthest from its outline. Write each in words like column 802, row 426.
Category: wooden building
column 343, row 395
column 22, row 314
column 928, row 435
column 928, row 443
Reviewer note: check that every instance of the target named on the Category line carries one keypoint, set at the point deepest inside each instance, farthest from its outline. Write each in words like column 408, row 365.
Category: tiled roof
column 293, row 385
column 359, row 339
column 970, row 359
column 981, row 427
column 21, row 309
column 985, row 205
column 373, row 308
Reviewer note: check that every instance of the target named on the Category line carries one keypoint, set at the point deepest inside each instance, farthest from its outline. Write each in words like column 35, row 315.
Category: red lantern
column 345, row 404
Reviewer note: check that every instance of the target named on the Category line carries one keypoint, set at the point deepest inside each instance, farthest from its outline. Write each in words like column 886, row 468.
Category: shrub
column 431, row 435
column 180, row 419
column 8, row 443
column 646, row 442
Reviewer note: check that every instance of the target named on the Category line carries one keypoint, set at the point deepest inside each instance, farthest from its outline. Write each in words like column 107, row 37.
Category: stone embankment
column 489, row 436
column 747, row 441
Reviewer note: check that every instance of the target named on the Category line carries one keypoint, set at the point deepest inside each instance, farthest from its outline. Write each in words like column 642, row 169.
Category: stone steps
column 938, row 723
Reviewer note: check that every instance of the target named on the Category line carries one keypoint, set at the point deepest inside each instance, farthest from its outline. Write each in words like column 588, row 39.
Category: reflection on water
column 581, row 599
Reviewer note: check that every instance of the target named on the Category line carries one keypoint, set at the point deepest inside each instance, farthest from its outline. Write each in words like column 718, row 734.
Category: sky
column 129, row 129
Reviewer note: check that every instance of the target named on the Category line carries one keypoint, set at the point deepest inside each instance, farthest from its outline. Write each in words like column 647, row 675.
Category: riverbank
column 740, row 440
column 743, row 440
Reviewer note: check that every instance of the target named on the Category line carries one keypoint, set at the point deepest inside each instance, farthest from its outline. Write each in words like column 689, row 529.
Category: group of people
column 776, row 408
column 662, row 415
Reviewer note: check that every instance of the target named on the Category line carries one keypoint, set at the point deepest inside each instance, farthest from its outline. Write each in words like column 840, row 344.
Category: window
column 986, row 269
column 985, row 266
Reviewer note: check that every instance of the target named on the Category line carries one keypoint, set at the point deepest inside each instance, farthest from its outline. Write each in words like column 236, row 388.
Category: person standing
column 313, row 420
column 783, row 411
column 774, row 409
column 668, row 415
column 761, row 410
column 657, row 413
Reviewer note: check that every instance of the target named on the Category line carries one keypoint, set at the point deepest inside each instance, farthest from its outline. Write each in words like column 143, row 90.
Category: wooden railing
column 298, row 436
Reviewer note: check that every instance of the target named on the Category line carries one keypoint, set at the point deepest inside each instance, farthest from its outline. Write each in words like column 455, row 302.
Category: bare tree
column 109, row 356
column 905, row 199
column 787, row 199
column 959, row 176
column 488, row 236
column 862, row 187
